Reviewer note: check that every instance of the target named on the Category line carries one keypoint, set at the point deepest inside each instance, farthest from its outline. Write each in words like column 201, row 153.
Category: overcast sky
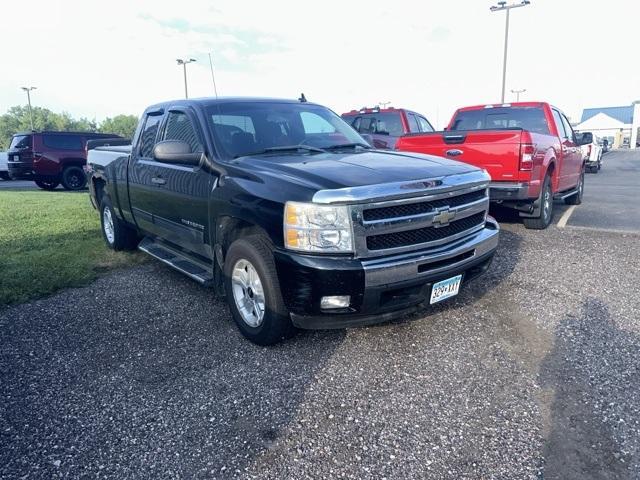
column 99, row 59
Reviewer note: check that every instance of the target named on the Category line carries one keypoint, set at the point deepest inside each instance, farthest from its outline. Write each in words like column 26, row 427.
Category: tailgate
column 497, row 151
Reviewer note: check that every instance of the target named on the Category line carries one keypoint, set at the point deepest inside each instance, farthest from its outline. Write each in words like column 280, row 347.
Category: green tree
column 123, row 125
column 17, row 120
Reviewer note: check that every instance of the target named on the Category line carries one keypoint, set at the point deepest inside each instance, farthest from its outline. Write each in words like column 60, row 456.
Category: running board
column 195, row 269
column 563, row 195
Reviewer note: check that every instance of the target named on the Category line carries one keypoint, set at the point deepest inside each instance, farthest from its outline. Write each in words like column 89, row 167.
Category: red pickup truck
column 529, row 149
column 385, row 125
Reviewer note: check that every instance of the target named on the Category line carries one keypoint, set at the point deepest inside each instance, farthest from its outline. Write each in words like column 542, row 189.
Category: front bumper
column 380, row 289
column 507, row 191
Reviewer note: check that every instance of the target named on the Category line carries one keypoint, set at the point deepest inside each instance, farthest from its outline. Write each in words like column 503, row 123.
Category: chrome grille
column 419, row 222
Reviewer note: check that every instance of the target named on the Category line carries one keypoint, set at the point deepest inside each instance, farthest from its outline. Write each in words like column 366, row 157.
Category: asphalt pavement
column 17, row 184
column 532, row 372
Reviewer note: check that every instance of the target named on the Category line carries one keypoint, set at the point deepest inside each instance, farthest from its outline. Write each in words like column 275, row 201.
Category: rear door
column 569, row 153
column 180, row 208
column 575, row 154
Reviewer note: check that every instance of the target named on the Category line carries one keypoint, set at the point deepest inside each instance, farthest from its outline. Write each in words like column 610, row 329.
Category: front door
column 181, row 207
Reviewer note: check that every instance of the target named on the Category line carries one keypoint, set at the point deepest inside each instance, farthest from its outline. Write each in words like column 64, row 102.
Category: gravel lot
column 532, row 372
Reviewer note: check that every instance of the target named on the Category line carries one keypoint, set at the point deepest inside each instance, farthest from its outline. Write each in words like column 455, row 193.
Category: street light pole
column 184, row 67
column 496, row 8
column 28, row 90
column 518, row 92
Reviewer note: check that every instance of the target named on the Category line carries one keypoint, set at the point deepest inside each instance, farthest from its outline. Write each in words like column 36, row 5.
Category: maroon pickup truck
column 385, row 126
column 529, row 149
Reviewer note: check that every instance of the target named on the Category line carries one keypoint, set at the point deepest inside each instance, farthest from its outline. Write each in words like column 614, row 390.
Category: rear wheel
column 73, row 178
column 253, row 291
column 47, row 184
column 117, row 234
column 546, row 208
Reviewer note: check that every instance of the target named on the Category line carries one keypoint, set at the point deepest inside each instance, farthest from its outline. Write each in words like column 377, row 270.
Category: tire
column 546, row 208
column 576, row 198
column 5, row 176
column 117, row 234
column 47, row 184
column 74, row 178
column 243, row 292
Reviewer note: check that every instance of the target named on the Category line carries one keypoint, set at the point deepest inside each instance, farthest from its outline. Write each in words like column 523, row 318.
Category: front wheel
column 546, row 208
column 47, row 184
column 117, row 234
column 253, row 291
column 73, row 178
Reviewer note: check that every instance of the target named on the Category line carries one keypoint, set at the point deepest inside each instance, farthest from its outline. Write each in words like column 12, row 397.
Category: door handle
column 158, row 181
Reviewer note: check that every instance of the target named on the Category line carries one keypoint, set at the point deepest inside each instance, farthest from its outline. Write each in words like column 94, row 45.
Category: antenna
column 213, row 78
column 302, row 98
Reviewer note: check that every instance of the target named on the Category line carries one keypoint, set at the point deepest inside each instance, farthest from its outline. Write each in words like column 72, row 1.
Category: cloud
column 432, row 57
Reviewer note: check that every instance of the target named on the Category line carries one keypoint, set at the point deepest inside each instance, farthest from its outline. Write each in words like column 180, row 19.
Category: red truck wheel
column 546, row 208
column 73, row 178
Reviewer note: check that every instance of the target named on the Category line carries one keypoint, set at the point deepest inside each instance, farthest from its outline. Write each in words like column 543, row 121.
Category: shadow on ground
column 593, row 374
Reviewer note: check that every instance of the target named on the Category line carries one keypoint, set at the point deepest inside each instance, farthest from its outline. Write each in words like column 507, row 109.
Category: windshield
column 527, row 118
column 20, row 141
column 245, row 128
column 389, row 123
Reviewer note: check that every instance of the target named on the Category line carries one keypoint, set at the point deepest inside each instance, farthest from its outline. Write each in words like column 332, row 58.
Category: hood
column 341, row 170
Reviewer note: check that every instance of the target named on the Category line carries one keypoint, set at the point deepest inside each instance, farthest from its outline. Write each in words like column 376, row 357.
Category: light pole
column 496, row 8
column 384, row 104
column 184, row 66
column 28, row 90
column 518, row 92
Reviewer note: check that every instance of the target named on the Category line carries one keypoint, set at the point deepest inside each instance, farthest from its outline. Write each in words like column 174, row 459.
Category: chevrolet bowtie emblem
column 443, row 217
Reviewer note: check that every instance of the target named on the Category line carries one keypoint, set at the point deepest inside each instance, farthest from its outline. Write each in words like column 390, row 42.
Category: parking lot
column 532, row 372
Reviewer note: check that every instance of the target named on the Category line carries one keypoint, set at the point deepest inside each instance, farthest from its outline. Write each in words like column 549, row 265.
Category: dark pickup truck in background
column 50, row 157
column 529, row 149
column 385, row 126
column 284, row 208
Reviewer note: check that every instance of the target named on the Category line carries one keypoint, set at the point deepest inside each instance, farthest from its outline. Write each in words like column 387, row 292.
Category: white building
column 621, row 125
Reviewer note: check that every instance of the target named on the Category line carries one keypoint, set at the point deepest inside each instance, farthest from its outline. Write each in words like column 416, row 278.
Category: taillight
column 589, row 151
column 526, row 157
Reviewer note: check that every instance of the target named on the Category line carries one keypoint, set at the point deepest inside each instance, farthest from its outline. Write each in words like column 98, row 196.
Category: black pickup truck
column 285, row 209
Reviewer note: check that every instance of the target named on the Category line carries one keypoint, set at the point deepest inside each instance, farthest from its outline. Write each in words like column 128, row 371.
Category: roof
column 622, row 114
column 64, row 132
column 207, row 101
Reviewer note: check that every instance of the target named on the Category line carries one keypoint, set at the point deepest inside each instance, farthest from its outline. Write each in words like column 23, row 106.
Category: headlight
column 310, row 227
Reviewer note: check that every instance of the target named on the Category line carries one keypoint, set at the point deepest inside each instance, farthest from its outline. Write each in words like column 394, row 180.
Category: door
column 181, row 206
column 567, row 146
column 575, row 152
column 143, row 174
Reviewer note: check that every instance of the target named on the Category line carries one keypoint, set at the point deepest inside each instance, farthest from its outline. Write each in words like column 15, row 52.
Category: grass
column 49, row 241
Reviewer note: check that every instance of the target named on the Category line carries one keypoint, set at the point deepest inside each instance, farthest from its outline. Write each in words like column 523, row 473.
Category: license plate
column 445, row 289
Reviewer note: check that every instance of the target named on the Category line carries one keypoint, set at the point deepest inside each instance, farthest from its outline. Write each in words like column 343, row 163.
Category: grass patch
column 49, row 241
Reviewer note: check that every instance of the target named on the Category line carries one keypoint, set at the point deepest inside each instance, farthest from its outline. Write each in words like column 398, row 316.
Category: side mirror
column 368, row 138
column 176, row 151
column 584, row 138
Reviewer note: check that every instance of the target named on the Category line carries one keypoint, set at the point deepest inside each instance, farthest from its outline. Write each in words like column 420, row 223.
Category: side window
column 425, row 126
column 179, row 127
column 148, row 136
column 559, row 123
column 63, row 142
column 313, row 123
column 568, row 129
column 413, row 123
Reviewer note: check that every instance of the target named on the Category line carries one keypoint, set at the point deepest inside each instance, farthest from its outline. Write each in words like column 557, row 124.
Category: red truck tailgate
column 497, row 151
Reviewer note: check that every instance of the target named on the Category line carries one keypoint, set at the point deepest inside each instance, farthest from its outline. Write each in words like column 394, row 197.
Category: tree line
column 17, row 120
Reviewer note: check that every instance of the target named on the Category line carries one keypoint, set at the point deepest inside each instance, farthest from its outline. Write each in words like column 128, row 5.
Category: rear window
column 527, row 118
column 20, row 141
column 63, row 142
column 388, row 123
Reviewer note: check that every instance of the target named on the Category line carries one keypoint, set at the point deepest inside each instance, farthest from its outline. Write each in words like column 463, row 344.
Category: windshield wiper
column 348, row 145
column 286, row 148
